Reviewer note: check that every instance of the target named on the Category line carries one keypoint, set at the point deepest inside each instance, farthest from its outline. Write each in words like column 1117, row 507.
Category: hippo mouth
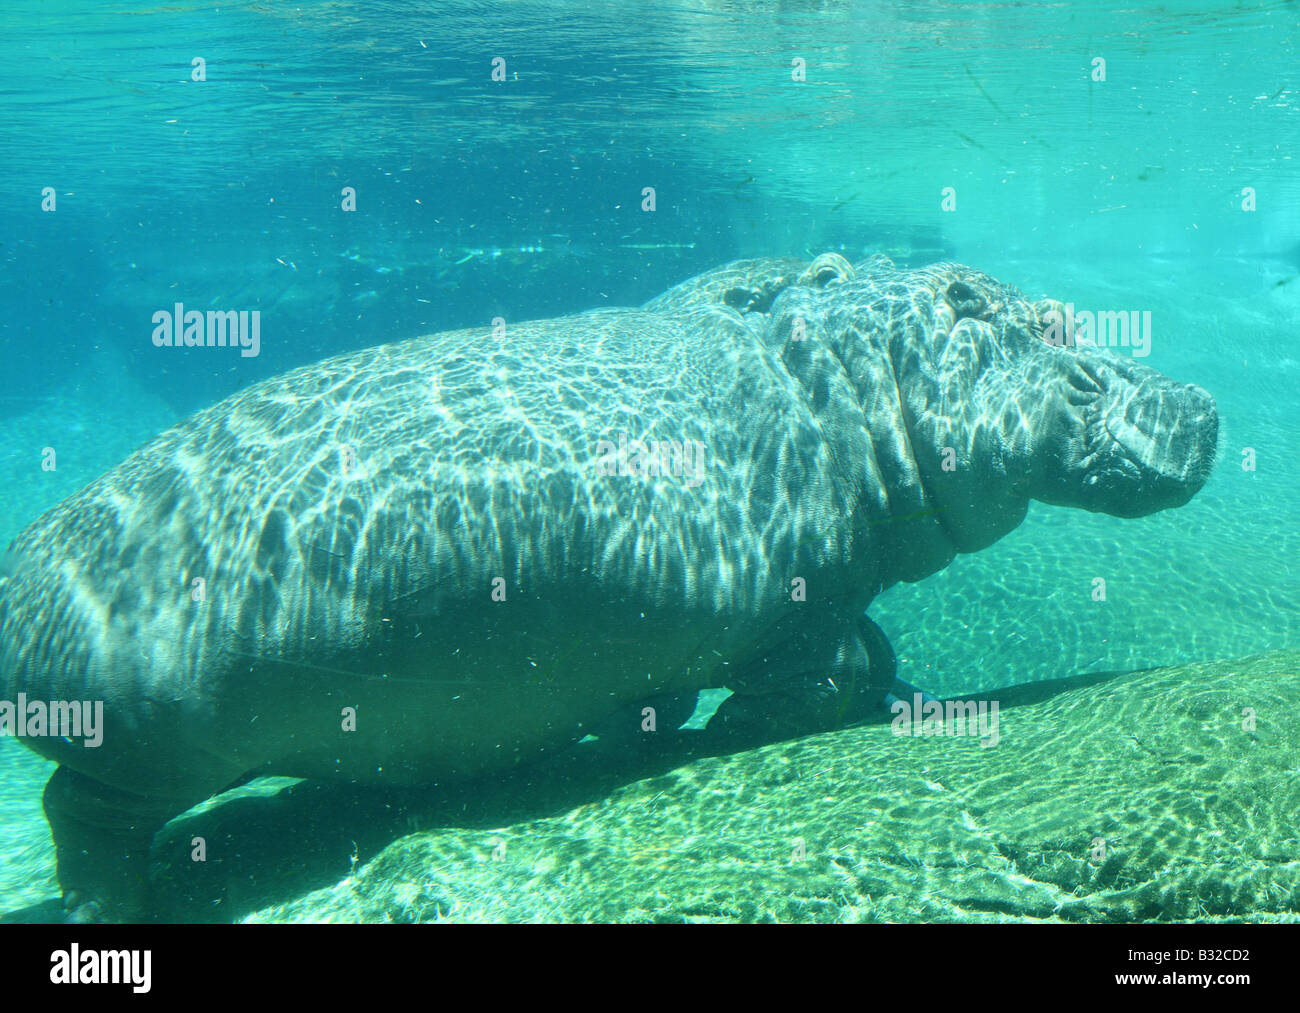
column 1137, row 442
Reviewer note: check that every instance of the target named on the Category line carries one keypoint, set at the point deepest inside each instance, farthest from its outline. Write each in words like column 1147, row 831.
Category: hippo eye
column 738, row 298
column 966, row 302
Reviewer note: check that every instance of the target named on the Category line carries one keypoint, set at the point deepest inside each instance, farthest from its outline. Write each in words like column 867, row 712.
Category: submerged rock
column 1164, row 795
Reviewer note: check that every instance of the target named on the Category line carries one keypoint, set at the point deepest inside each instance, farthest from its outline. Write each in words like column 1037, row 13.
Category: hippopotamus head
column 970, row 405
column 1027, row 415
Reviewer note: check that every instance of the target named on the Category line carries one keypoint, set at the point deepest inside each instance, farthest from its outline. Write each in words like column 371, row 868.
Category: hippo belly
column 467, row 692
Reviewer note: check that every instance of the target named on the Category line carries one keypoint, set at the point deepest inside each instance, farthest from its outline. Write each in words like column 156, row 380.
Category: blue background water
column 522, row 199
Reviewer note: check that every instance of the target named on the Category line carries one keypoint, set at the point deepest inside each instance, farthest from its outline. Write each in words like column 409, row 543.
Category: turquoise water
column 522, row 198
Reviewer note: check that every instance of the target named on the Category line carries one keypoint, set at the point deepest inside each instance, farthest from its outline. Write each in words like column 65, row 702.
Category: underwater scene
column 703, row 461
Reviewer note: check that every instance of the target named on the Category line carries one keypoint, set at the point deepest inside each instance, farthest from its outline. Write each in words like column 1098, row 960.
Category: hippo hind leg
column 102, row 837
column 663, row 714
column 813, row 682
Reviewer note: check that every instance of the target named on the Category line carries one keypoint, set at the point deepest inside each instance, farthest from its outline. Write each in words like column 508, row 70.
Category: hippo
column 447, row 556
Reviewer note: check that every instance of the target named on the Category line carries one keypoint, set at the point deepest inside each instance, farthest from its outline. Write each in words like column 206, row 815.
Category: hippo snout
column 1138, row 441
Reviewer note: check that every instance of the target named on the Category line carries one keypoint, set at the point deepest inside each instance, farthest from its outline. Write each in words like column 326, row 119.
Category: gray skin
column 351, row 521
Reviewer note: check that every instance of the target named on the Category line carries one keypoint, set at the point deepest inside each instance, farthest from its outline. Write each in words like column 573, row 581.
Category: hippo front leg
column 819, row 677
column 102, row 837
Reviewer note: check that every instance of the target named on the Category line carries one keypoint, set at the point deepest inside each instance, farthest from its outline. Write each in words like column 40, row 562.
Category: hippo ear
column 825, row 269
column 755, row 300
